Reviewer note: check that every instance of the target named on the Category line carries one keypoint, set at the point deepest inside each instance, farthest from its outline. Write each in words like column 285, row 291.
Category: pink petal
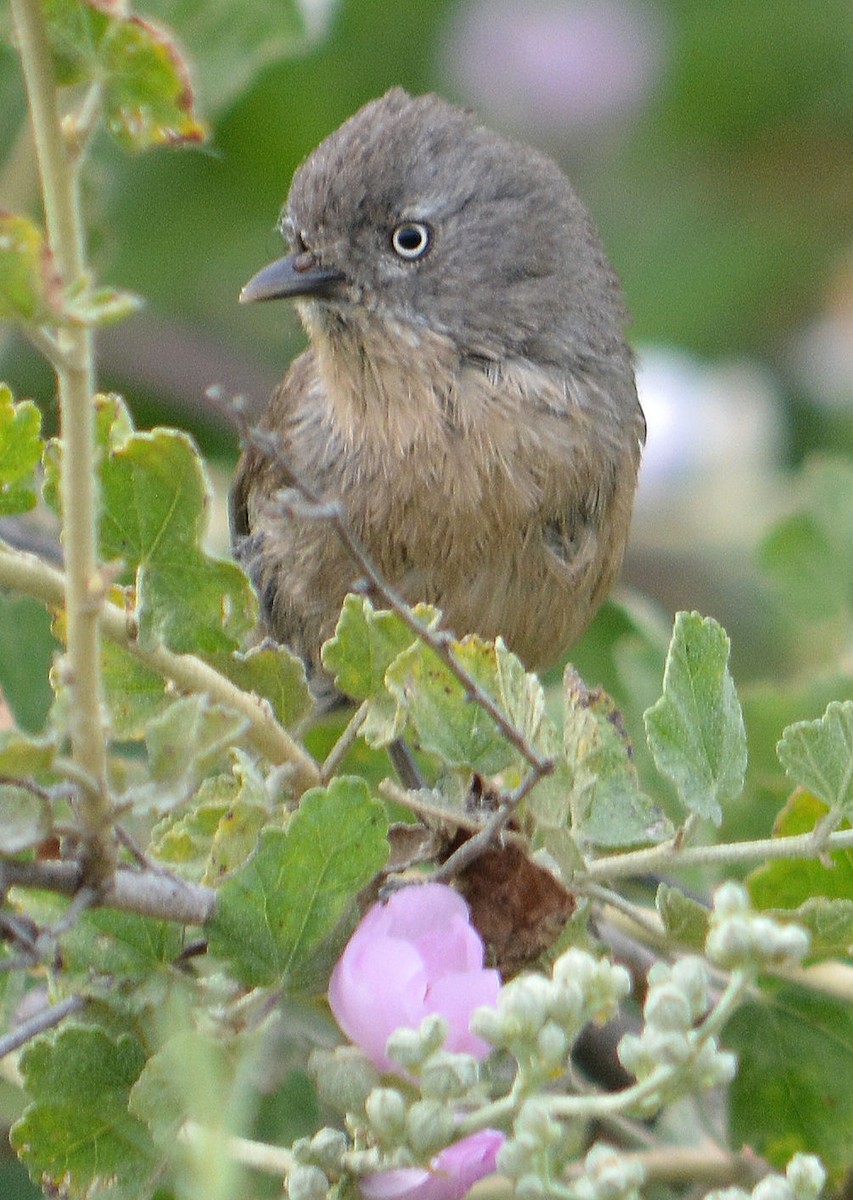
column 456, row 996
column 451, row 1174
column 375, row 988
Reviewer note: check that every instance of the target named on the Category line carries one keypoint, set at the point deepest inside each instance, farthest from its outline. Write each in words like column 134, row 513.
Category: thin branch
column 76, row 381
column 48, row 1018
column 343, row 744
column 148, row 893
column 668, row 856
column 25, row 573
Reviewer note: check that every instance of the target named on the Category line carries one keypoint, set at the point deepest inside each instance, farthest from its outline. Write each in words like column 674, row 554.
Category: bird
column 467, row 393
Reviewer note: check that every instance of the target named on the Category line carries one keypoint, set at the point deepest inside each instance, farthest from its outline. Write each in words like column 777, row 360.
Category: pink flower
column 450, row 1176
column 414, row 955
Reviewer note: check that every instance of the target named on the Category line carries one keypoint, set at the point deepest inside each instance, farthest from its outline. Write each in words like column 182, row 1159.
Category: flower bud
column 552, row 1046
column 446, row 1076
column 668, row 1008
column 386, row 1112
column 690, row 975
column 327, row 1148
column 806, row 1175
column 307, row 1183
column 730, row 900
column 344, row 1078
column 429, row 1127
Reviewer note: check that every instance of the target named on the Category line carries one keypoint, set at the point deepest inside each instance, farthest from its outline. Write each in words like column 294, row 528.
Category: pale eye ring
column 411, row 239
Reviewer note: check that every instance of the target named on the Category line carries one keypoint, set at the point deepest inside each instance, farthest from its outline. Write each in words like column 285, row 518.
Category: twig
column 25, row 573
column 76, row 382
column 669, row 856
column 149, row 893
column 471, row 850
column 49, row 1018
column 343, row 744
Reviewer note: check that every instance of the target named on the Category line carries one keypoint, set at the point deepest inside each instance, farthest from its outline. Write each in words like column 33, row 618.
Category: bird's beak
column 293, row 275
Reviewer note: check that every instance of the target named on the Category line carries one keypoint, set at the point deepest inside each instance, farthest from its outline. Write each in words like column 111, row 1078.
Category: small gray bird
column 468, row 392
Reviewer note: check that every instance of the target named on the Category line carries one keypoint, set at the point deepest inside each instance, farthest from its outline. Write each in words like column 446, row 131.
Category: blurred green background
column 712, row 141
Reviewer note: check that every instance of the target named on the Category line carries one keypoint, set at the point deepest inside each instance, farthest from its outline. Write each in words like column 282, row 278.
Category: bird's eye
column 412, row 239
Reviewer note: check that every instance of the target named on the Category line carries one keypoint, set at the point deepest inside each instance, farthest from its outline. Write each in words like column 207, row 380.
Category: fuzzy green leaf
column 607, row 805
column 185, row 742
column 20, row 451
column 29, row 285
column 695, row 731
column 788, row 883
column 77, row 1135
column 818, row 755
column 792, row 1091
column 447, row 721
column 24, row 756
column 220, row 831
column 155, row 496
column 146, row 96
column 273, row 914
column 25, row 819
column 228, row 54
column 684, row 919
column 365, row 644
column 274, row 674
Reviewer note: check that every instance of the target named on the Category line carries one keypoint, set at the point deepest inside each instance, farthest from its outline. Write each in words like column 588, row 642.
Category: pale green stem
column 28, row 574
column 667, row 856
column 75, row 377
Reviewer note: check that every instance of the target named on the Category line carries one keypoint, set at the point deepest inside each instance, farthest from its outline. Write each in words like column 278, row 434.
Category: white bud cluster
column 741, row 939
column 410, row 1048
column 318, row 1160
column 608, row 1175
column 538, row 1019
column 678, row 997
column 803, row 1180
column 537, row 1151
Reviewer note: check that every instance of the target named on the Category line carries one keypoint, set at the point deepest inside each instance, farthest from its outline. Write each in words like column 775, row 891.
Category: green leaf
column 154, row 496
column 103, row 306
column 23, row 756
column 229, row 54
column 809, row 555
column 274, row 913
column 787, row 883
column 30, row 289
column 607, row 804
column 148, row 100
column 695, row 731
column 113, row 426
column 26, row 653
column 135, row 695
column 792, row 1091
column 146, row 95
column 274, row 674
column 220, row 831
column 684, row 919
column 818, row 755
column 20, row 451
column 25, row 819
column 120, row 946
column 365, row 644
column 77, row 1134
column 185, row 742
column 452, row 725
